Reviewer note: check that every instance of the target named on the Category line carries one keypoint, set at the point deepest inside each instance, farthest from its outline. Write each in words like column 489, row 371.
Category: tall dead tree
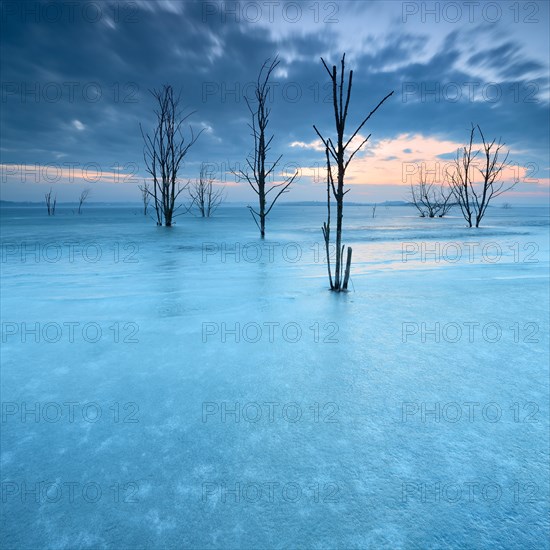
column 204, row 196
column 474, row 197
column 258, row 170
column 164, row 152
column 49, row 204
column 491, row 173
column 145, row 196
column 459, row 178
column 83, row 198
column 337, row 153
column 326, row 225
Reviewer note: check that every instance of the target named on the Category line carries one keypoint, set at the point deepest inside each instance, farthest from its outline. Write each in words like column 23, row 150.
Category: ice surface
column 360, row 468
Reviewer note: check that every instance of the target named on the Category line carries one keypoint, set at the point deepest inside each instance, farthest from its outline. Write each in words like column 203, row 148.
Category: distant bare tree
column 338, row 155
column 145, row 196
column 257, row 172
column 83, row 198
column 474, row 198
column 164, row 152
column 49, row 204
column 416, row 193
column 204, row 196
column 429, row 199
column 374, row 210
column 445, row 200
column 426, row 194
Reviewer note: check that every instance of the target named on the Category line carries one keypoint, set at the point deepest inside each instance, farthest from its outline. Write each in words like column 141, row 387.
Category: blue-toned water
column 198, row 388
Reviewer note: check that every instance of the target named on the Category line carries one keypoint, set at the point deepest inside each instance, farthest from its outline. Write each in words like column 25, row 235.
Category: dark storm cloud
column 74, row 89
column 507, row 60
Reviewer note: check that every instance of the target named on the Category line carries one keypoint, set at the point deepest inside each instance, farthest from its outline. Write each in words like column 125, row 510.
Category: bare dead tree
column 49, row 204
column 374, row 210
column 145, row 196
column 474, row 197
column 445, row 200
column 337, row 153
column 459, row 178
column 204, row 196
column 429, row 199
column 491, row 172
column 326, row 225
column 83, row 198
column 164, row 152
column 415, row 200
column 258, row 170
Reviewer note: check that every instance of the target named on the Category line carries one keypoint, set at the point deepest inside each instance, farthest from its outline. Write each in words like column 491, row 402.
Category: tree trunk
column 348, row 267
column 339, row 218
column 337, row 151
column 262, row 210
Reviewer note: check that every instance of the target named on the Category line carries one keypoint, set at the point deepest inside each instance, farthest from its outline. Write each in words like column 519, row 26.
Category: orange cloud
column 397, row 161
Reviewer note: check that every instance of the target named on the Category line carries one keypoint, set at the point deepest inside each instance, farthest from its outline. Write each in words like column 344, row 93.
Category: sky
column 76, row 81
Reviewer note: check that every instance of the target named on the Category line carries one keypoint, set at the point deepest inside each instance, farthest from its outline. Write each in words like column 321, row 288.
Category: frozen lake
column 196, row 388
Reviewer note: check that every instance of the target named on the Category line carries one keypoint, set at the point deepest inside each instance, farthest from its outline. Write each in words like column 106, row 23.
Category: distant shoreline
column 232, row 204
column 122, row 204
